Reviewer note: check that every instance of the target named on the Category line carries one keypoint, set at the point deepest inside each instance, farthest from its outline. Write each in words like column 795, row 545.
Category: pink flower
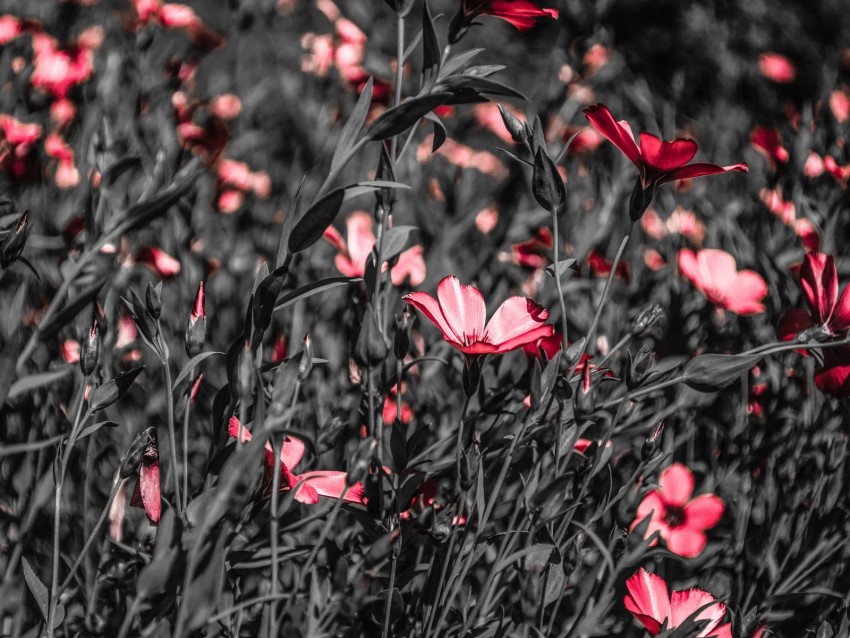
column 767, row 141
column 777, row 67
column 351, row 260
column 814, row 165
column 459, row 312
column 648, row 601
column 658, row 161
column 486, row 220
column 785, row 210
column 159, row 261
column 67, row 175
column 56, row 71
column 18, row 156
column 680, row 520
column 715, row 274
column 827, row 317
column 147, row 492
column 521, row 13
column 308, row 486
column 839, row 104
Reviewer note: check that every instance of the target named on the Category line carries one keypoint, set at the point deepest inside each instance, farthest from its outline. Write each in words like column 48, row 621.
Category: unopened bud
column 90, row 349
column 14, row 241
column 650, row 445
column 639, row 367
column 196, row 388
column 196, row 326
column 140, row 445
column 401, row 342
column 651, row 316
column 514, row 125
column 306, row 362
column 371, row 348
column 585, row 396
column 153, row 302
column 362, row 459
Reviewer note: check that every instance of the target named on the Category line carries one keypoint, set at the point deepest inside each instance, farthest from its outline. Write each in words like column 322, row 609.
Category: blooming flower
column 827, row 317
column 777, row 67
column 56, row 71
column 18, row 157
column 522, row 14
column 768, row 142
column 658, row 161
column 680, row 520
column 715, row 274
column 351, row 259
column 649, row 602
column 308, row 486
column 459, row 312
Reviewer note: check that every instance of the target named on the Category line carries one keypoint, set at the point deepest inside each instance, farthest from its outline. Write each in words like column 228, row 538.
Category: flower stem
column 172, row 439
column 186, row 439
column 561, row 302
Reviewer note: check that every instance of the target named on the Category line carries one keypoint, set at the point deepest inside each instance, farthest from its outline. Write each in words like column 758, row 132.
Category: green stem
column 557, row 273
column 172, row 438
column 186, row 439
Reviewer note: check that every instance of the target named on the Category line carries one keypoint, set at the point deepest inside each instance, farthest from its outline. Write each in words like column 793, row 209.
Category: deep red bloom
column 715, row 274
column 534, row 252
column 18, row 157
column 658, row 161
column 308, row 486
column 768, row 142
column 649, row 602
column 459, row 312
column 521, row 13
column 827, row 317
column 147, row 492
column 680, row 520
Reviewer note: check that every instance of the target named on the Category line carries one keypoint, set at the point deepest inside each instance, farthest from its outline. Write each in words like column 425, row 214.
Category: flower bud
column 361, row 461
column 639, row 367
column 133, row 458
column 306, row 362
column 371, row 348
column 514, row 125
column 640, row 200
column 651, row 316
column 245, row 373
column 14, row 241
column 90, row 349
column 585, row 396
column 196, row 326
column 401, row 342
column 153, row 302
column 650, row 445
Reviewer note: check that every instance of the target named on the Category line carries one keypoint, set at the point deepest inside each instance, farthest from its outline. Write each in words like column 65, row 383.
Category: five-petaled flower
column 522, row 14
column 827, row 317
column 308, row 486
column 654, row 608
column 459, row 312
column 679, row 519
column 658, row 161
column 715, row 274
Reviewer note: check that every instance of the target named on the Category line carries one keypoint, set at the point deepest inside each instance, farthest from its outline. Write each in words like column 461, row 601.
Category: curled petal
column 603, row 121
column 515, row 320
column 330, row 484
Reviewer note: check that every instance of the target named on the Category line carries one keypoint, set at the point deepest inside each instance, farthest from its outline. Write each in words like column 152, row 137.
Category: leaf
column 201, row 597
column 712, row 372
column 563, row 266
column 546, row 183
column 14, row 311
column 283, row 256
column 37, row 589
column 396, row 240
column 458, row 62
column 353, row 125
column 312, row 224
column 8, row 356
column 192, row 363
column 265, row 297
column 108, row 393
column 398, row 447
column 554, row 582
column 400, row 118
column 314, row 288
column 470, row 88
column 94, row 427
column 115, row 170
column 65, row 317
column 370, row 186
column 34, row 381
column 440, row 132
column 430, row 50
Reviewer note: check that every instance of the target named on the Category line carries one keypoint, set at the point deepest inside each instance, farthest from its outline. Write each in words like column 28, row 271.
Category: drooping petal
column 430, row 307
column 685, row 603
column 793, row 322
column 700, row 169
column 704, row 511
column 664, row 156
column 515, row 321
column 677, row 485
column 647, row 600
column 820, row 285
column 685, row 541
column 834, row 377
column 603, row 121
column 464, row 309
column 520, row 13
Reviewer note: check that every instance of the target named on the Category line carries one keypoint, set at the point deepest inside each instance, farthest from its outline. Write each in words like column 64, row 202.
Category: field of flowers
column 424, row 318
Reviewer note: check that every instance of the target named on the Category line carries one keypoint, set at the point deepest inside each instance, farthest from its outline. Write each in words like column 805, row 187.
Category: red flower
column 147, row 492
column 522, row 14
column 768, row 142
column 679, row 519
column 715, row 274
column 459, row 312
column 649, row 602
column 308, row 486
column 777, row 67
column 658, row 161
column 56, row 71
column 159, row 261
column 827, row 317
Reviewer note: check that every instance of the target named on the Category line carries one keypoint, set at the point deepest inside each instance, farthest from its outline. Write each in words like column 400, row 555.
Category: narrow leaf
column 400, row 118
column 314, row 288
column 192, row 363
column 353, row 125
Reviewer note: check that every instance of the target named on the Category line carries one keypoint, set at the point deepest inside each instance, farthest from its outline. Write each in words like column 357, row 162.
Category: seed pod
column 650, row 445
column 401, row 342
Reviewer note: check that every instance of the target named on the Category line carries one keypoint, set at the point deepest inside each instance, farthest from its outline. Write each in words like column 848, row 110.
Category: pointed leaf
column 314, row 288
column 353, row 125
column 108, row 393
column 400, row 118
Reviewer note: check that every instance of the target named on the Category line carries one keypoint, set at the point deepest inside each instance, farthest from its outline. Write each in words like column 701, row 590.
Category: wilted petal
column 666, row 156
column 463, row 307
column 647, row 599
column 820, row 285
column 677, row 485
column 603, row 121
column 149, row 488
column 704, row 511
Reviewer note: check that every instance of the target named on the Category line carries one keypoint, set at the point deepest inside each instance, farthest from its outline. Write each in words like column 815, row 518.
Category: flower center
column 674, row 516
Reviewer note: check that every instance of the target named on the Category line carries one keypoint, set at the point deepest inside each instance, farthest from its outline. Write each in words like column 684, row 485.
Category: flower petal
column 647, row 599
column 840, row 320
column 700, row 169
column 792, row 323
column 149, row 488
column 685, row 541
column 689, row 267
column 820, row 285
column 652, row 504
column 717, row 269
column 685, row 603
column 704, row 511
column 360, row 238
column 746, row 294
column 293, row 450
column 603, row 121
column 677, row 485
column 331, row 484
column 464, row 309
column 430, row 307
column 666, row 156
